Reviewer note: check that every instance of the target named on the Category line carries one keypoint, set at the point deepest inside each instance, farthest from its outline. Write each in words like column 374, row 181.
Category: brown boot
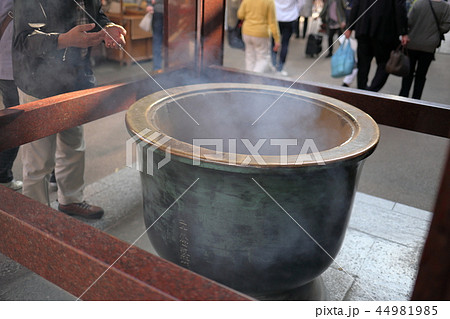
column 82, row 209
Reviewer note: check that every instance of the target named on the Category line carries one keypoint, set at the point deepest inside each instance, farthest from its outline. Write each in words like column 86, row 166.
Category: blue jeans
column 158, row 28
column 10, row 98
column 286, row 30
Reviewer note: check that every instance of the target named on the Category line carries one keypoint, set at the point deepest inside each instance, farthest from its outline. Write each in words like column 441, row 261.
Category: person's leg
column 305, row 26
column 262, row 47
column 274, row 54
column 38, row 162
column 286, row 29
column 382, row 53
column 250, row 53
column 330, row 33
column 348, row 79
column 9, row 93
column 69, row 167
column 330, row 41
column 379, row 78
column 408, row 80
column 423, row 63
column 297, row 28
column 365, row 56
column 157, row 41
column 10, row 98
column 69, row 172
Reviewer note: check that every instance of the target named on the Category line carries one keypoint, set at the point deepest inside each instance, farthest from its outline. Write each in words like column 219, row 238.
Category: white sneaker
column 14, row 185
column 283, row 73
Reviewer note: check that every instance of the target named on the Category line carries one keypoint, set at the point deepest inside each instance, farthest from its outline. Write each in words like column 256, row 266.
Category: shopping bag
column 343, row 61
column 146, row 22
column 235, row 37
column 398, row 63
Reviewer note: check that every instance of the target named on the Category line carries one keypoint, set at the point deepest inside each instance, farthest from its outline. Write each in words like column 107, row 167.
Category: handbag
column 146, row 22
column 343, row 61
column 441, row 35
column 235, row 36
column 398, row 63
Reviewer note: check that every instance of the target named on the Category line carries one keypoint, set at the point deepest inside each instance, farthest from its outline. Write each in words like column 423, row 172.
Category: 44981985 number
column 407, row 310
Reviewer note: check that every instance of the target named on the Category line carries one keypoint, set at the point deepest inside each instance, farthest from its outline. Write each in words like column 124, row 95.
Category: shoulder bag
column 398, row 63
column 441, row 36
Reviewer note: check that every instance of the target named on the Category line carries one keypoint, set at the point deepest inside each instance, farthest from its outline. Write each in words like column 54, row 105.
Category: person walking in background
column 287, row 12
column 259, row 17
column 348, row 79
column 306, row 13
column 156, row 7
column 51, row 56
column 8, row 90
column 424, row 38
column 377, row 31
column 333, row 15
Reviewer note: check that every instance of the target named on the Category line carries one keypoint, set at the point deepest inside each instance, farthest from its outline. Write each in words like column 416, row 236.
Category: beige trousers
column 63, row 151
column 257, row 53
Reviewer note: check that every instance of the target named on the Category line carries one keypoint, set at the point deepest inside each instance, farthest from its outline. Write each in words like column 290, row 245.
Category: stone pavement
column 378, row 259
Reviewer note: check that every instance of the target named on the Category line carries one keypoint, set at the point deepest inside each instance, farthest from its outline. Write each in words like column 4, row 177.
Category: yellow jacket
column 259, row 16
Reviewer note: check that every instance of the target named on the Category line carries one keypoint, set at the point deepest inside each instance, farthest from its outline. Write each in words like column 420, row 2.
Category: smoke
column 229, row 114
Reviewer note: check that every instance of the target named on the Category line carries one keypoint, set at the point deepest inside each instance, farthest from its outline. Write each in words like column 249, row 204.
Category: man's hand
column 114, row 36
column 347, row 33
column 276, row 47
column 78, row 37
column 405, row 40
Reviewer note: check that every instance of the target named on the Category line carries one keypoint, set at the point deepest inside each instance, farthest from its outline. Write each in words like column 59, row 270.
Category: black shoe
column 82, row 209
column 329, row 55
column 345, row 84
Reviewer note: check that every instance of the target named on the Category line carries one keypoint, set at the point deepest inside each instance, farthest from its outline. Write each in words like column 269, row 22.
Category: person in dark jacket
column 51, row 45
column 333, row 15
column 424, row 38
column 8, row 90
column 377, row 27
